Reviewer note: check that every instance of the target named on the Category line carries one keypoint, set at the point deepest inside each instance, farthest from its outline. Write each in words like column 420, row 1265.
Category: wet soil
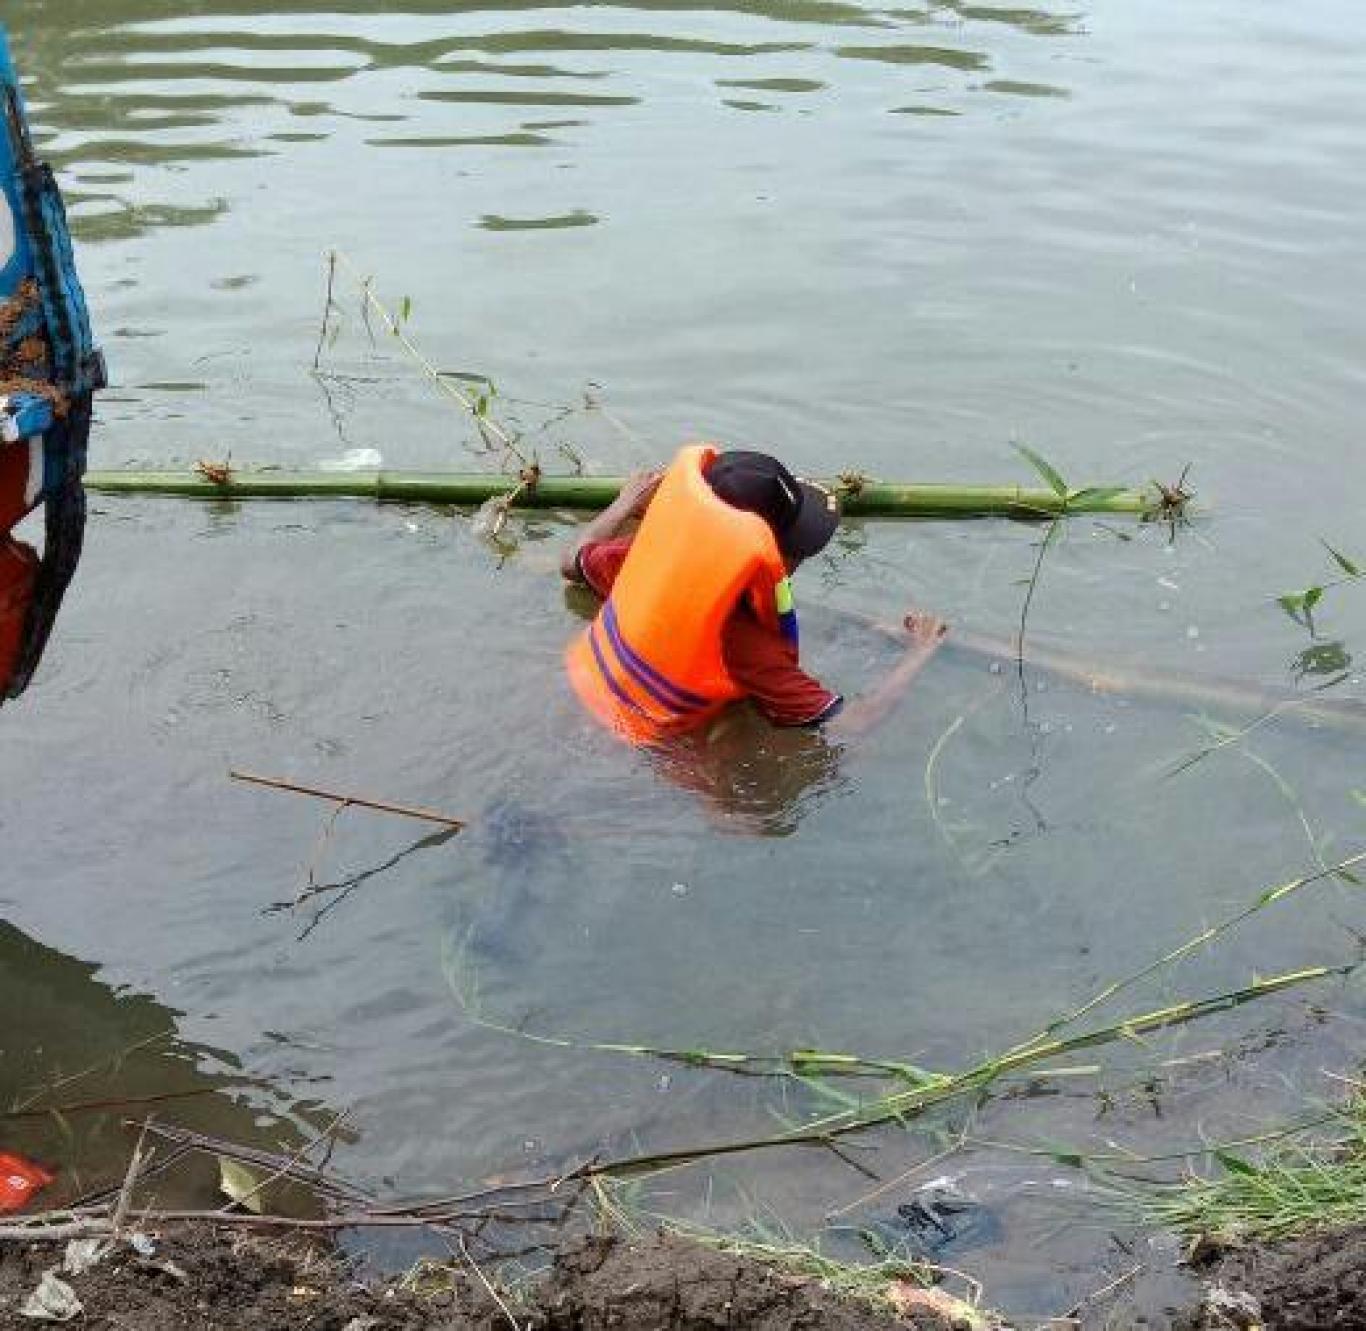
column 201, row 1279
column 1304, row 1284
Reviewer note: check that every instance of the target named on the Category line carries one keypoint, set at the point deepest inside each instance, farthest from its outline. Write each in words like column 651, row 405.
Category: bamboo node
column 216, row 473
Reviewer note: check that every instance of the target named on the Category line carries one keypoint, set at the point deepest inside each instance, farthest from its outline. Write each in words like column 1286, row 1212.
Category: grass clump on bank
column 1293, row 1188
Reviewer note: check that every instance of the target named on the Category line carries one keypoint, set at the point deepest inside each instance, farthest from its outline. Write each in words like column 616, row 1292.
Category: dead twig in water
column 328, row 306
column 315, row 859
column 113, row 1064
column 347, row 886
column 464, row 1253
column 1075, row 1310
column 308, row 1176
column 130, row 1179
column 95, row 1106
column 477, row 408
column 358, row 801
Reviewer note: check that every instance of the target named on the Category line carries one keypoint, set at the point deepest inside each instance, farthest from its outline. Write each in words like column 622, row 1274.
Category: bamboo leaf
column 1094, row 494
column 1045, row 469
column 1351, row 569
column 1300, row 605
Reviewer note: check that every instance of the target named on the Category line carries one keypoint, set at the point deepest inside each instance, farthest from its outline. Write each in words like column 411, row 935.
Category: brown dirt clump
column 668, row 1284
column 200, row 1278
column 1305, row 1284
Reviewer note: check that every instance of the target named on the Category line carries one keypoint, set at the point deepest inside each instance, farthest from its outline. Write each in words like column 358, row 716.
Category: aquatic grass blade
column 1045, row 469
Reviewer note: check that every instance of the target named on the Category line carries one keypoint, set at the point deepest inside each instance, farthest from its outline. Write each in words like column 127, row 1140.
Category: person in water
column 697, row 609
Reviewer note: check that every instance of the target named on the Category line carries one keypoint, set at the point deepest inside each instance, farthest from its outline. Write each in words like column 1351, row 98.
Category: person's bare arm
column 857, row 718
column 631, row 503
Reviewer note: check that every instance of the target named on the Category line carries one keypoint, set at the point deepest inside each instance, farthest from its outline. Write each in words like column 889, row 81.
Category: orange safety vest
column 651, row 665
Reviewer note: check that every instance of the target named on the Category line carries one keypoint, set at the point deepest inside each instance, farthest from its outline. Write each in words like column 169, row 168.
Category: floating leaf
column 1045, row 469
column 240, row 1184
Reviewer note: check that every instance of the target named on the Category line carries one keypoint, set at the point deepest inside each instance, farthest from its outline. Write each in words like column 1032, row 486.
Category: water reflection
column 78, row 1059
column 753, row 777
column 943, row 56
column 134, row 84
column 1321, row 659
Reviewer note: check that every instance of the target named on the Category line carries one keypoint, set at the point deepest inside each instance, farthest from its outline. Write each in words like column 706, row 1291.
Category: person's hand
column 927, row 631
column 637, row 490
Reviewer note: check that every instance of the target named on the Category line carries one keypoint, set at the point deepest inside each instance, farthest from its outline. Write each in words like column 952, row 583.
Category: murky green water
column 885, row 239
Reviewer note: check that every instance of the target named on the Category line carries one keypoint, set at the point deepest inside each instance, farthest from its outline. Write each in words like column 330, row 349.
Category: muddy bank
column 1302, row 1284
column 204, row 1278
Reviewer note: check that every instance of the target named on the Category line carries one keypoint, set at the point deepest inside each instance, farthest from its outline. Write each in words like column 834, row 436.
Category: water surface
column 886, row 239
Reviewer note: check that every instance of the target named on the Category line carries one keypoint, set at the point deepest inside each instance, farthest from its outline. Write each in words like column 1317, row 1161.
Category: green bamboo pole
column 870, row 499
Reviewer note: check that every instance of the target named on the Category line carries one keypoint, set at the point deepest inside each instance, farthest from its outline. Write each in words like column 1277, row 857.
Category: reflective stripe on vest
column 621, row 667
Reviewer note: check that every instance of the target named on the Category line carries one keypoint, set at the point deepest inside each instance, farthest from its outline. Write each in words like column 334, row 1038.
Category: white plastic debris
column 143, row 1244
column 490, row 518
column 53, row 1301
column 354, row 459
column 82, row 1254
column 1230, row 1307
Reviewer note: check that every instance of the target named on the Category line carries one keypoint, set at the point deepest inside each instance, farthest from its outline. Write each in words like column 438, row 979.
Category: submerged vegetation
column 904, row 1091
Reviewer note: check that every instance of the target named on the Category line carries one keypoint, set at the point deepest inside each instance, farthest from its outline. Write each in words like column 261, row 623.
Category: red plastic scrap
column 20, row 1179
